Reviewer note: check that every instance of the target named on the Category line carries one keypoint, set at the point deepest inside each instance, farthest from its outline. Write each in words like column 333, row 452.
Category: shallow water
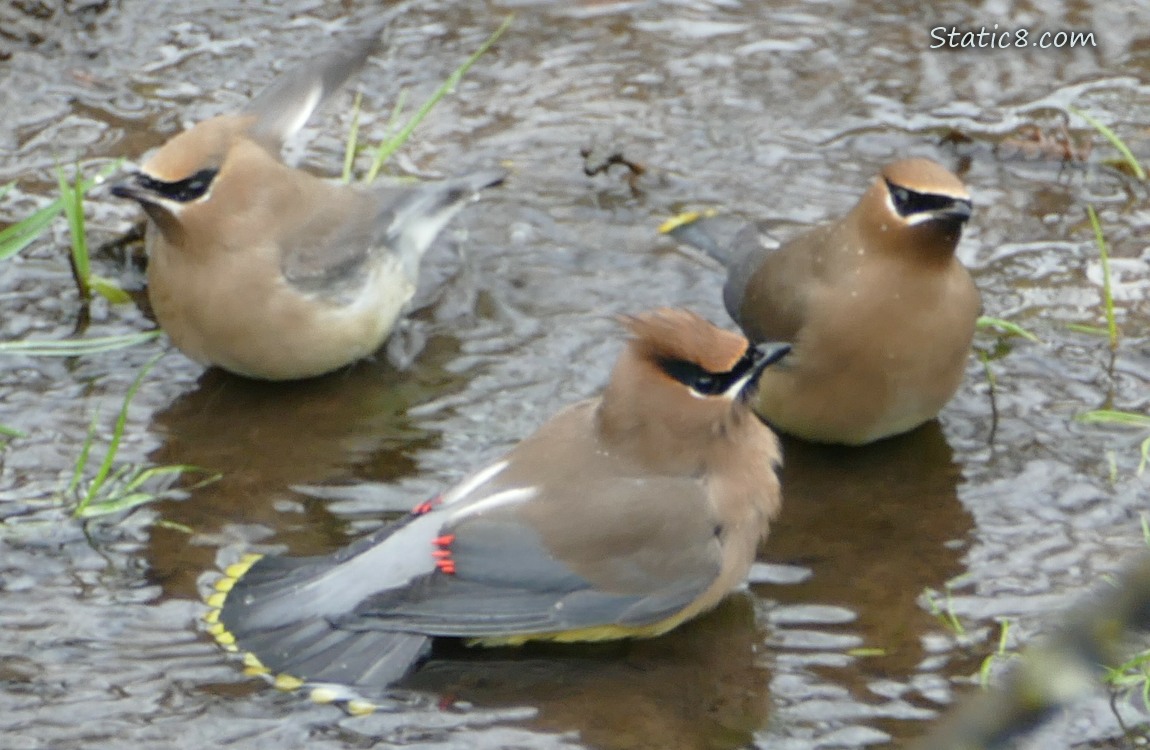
column 777, row 113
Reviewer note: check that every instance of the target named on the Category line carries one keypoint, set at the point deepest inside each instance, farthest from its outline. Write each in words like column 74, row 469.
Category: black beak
column 766, row 354
column 130, row 188
column 758, row 358
column 957, row 212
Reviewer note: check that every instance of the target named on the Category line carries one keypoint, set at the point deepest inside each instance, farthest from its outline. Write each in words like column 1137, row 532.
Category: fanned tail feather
column 412, row 222
column 308, row 652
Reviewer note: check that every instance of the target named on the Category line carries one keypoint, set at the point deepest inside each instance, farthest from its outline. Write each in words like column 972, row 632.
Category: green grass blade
column 1107, row 295
column 77, row 225
column 987, row 370
column 117, row 435
column 85, row 451
column 177, row 469
column 1136, row 662
column 388, row 147
column 866, row 652
column 120, row 503
column 352, row 146
column 22, row 234
column 11, row 432
column 131, row 496
column 109, row 290
column 397, row 110
column 1113, row 416
column 76, row 347
column 1000, row 653
column 143, row 475
column 1115, row 141
column 86, row 281
column 392, row 124
column 6, row 189
column 72, row 199
column 1091, row 330
column 117, row 476
column 984, row 671
column 1007, row 327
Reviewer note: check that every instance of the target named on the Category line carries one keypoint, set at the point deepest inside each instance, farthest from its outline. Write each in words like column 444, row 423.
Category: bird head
column 219, row 166
column 680, row 389
column 183, row 172
column 915, row 206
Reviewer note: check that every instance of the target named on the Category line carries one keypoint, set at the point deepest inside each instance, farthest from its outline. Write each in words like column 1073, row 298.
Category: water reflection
column 876, row 525
column 779, row 114
column 700, row 686
column 265, row 438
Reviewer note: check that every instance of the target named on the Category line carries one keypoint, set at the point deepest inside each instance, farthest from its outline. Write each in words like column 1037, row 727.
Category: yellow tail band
column 215, row 601
column 685, row 218
column 355, row 706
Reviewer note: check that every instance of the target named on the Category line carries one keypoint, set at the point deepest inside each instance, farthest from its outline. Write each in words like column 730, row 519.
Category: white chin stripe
column 918, row 219
column 730, row 394
column 733, row 392
column 175, row 208
column 913, row 219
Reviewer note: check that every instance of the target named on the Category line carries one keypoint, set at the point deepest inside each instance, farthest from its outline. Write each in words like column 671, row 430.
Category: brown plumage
column 268, row 271
column 635, row 409
column 622, row 516
column 880, row 312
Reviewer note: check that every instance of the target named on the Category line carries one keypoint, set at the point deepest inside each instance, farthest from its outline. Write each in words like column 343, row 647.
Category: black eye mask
column 908, row 202
column 699, row 380
column 707, row 383
column 181, row 191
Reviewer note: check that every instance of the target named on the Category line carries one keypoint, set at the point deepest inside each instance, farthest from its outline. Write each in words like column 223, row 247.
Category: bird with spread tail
column 879, row 310
column 623, row 516
column 269, row 271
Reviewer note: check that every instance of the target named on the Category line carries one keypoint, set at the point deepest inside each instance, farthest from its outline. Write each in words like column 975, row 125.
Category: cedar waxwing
column 880, row 312
column 623, row 516
column 271, row 272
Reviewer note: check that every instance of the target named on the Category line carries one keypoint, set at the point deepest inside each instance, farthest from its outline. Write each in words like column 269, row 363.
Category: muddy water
column 779, row 113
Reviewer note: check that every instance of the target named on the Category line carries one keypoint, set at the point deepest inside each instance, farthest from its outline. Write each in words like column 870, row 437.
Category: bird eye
column 181, row 191
column 197, row 184
column 910, row 203
column 700, row 380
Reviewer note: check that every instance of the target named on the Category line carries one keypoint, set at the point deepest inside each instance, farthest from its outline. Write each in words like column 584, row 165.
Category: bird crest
column 674, row 334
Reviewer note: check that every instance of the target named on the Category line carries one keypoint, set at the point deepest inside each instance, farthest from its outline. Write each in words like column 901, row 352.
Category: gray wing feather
column 315, row 651
column 332, row 258
column 278, row 590
column 287, row 104
column 409, row 223
column 457, row 607
column 281, row 610
column 745, row 255
column 508, row 583
column 741, row 256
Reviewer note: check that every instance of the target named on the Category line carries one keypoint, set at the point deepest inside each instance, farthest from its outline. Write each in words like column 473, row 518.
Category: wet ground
column 777, row 113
